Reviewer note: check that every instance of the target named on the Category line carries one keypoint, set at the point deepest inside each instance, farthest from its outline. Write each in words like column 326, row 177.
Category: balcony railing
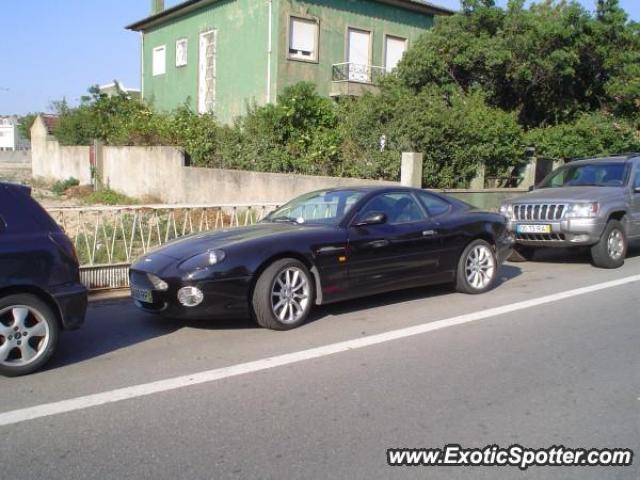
column 353, row 72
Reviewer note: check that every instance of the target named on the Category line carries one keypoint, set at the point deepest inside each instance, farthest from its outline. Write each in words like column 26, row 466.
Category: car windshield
column 587, row 175
column 328, row 208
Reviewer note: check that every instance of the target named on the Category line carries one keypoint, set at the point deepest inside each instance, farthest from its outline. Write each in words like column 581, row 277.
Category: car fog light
column 190, row 296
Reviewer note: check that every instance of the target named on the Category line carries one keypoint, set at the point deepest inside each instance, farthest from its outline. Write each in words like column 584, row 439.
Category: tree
column 25, row 123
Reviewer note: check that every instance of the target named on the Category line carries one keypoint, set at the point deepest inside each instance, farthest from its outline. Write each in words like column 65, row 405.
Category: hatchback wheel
column 283, row 295
column 477, row 268
column 29, row 334
column 611, row 250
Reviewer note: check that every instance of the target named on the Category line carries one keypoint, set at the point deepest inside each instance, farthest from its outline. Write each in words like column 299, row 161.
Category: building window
column 394, row 49
column 181, row 52
column 159, row 61
column 303, row 39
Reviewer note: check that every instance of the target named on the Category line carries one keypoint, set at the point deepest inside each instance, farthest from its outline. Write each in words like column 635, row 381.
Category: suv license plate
column 533, row 228
column 141, row 294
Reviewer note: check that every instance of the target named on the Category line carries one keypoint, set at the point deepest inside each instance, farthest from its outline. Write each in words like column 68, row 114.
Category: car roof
column 16, row 187
column 606, row 159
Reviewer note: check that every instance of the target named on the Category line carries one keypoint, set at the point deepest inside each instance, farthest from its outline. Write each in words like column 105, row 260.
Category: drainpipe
column 269, row 50
column 142, row 65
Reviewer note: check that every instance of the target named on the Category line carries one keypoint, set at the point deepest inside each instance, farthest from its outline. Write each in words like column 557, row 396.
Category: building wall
column 241, row 62
column 335, row 18
column 243, row 48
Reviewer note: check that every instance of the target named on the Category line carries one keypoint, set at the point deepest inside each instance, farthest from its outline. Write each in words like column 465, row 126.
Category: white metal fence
column 109, row 239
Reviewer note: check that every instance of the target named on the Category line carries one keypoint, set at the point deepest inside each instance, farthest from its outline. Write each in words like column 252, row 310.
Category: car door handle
column 379, row 243
column 429, row 233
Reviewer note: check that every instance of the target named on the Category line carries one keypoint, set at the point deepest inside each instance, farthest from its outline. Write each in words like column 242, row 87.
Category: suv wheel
column 29, row 334
column 611, row 250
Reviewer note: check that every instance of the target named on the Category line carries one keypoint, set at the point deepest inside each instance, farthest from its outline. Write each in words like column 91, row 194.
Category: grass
column 108, row 197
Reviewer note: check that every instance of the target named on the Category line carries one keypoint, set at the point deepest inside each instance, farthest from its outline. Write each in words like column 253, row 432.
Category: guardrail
column 109, row 239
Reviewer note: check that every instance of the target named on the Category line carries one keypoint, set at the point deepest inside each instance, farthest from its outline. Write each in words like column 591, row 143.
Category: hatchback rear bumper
column 72, row 303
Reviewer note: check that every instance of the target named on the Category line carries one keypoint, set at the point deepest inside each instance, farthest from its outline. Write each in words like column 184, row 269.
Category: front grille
column 541, row 237
column 539, row 212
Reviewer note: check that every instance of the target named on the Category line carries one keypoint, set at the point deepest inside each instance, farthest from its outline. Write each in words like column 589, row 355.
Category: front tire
column 29, row 333
column 283, row 295
column 477, row 268
column 611, row 250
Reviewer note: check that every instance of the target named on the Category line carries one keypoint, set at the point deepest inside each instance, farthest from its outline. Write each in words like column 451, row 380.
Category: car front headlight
column 583, row 210
column 506, row 209
column 157, row 282
column 203, row 260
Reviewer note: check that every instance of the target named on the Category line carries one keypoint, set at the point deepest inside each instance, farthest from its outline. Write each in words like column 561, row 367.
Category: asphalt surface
column 563, row 373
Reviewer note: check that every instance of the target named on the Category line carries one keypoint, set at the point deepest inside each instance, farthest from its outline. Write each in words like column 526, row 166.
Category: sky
column 54, row 49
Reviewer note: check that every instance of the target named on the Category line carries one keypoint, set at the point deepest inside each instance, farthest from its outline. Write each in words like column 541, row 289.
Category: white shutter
column 159, row 66
column 181, row 52
column 304, row 35
column 394, row 50
column 359, row 56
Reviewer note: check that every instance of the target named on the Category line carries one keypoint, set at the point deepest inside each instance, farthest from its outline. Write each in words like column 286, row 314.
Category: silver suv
column 593, row 203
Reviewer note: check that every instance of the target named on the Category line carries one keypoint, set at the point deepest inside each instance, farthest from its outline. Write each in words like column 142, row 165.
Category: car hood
column 190, row 245
column 568, row 195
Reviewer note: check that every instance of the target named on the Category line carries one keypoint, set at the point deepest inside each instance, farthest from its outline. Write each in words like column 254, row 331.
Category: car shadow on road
column 576, row 255
column 111, row 325
column 507, row 272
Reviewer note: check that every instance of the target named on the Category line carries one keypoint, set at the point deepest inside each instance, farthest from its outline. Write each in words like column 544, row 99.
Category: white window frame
column 386, row 50
column 182, row 62
column 298, row 54
column 159, row 68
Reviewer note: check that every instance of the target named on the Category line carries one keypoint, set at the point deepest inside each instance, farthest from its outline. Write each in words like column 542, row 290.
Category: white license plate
column 141, row 294
column 533, row 228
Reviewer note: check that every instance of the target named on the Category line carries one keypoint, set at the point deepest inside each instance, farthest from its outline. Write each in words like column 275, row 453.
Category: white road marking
column 136, row 391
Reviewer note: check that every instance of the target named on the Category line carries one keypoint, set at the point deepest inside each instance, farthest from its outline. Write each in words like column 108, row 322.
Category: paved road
column 563, row 372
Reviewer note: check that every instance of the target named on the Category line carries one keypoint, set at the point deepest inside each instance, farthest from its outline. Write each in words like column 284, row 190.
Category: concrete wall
column 489, row 199
column 51, row 161
column 17, row 156
column 160, row 172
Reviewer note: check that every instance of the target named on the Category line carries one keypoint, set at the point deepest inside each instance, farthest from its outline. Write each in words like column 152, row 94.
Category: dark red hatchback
column 40, row 289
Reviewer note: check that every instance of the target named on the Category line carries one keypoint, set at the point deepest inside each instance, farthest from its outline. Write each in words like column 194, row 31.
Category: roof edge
column 190, row 5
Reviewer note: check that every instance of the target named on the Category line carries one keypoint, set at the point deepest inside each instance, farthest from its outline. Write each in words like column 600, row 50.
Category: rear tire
column 283, row 295
column 522, row 253
column 611, row 250
column 29, row 333
column 477, row 268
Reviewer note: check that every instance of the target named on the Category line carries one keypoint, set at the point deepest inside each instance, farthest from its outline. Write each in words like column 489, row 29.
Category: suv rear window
column 22, row 214
column 587, row 175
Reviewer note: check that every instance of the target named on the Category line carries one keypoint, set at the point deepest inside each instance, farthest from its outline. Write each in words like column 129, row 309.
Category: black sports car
column 320, row 248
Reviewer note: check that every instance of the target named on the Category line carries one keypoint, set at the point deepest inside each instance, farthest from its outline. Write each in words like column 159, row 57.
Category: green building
column 220, row 55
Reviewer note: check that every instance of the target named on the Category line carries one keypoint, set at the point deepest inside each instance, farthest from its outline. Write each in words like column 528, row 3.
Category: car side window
column 636, row 181
column 434, row 205
column 398, row 207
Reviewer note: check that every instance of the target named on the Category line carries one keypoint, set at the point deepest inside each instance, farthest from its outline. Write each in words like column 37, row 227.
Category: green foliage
column 62, row 186
column 549, row 62
column 25, row 124
column 590, row 134
column 108, row 197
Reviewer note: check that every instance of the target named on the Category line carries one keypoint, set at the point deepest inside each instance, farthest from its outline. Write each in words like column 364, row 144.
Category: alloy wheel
column 615, row 244
column 24, row 335
column 480, row 267
column 290, row 295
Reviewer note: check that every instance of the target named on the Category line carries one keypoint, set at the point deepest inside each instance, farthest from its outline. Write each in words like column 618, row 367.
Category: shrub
column 61, row 186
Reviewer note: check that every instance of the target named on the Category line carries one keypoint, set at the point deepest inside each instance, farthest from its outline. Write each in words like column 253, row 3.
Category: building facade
column 10, row 138
column 221, row 55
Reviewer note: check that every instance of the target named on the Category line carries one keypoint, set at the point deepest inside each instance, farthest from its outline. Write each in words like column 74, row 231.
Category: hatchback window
column 398, row 207
column 22, row 214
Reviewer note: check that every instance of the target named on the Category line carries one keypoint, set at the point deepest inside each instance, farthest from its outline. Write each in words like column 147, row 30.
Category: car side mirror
column 372, row 218
column 532, row 188
column 636, row 189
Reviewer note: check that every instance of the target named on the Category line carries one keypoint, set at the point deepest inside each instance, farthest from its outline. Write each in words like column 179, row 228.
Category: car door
column 393, row 254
